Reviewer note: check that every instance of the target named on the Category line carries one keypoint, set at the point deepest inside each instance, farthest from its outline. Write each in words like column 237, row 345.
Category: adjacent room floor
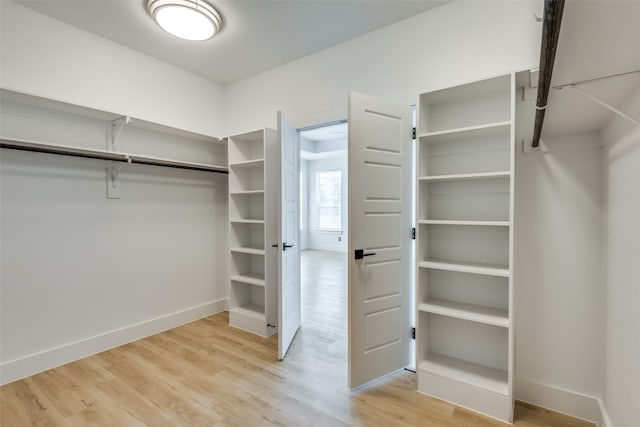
column 208, row 374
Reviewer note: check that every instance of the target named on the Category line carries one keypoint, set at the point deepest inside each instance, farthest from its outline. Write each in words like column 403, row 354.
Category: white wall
column 622, row 194
column 327, row 240
column 45, row 57
column 559, row 290
column 458, row 42
column 82, row 273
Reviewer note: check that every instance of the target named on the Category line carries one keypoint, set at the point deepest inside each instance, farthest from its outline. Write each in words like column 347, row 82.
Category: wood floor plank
column 208, row 374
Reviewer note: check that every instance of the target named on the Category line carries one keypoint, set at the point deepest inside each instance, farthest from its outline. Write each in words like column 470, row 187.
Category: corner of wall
column 617, row 126
column 621, row 141
column 603, row 419
column 568, row 402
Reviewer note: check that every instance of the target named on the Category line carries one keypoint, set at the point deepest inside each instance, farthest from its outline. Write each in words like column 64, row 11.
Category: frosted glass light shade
column 187, row 19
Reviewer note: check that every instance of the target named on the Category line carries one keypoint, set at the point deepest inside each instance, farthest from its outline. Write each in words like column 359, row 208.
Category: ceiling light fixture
column 187, row 19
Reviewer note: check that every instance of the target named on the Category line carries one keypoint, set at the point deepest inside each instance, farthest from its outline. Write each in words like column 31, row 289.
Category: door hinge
column 413, row 333
column 413, row 233
column 414, row 133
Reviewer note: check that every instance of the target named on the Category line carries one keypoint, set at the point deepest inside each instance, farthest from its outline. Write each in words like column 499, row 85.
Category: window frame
column 319, row 206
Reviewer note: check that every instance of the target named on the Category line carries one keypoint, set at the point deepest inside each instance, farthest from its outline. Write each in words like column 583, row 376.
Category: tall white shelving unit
column 252, row 216
column 465, row 171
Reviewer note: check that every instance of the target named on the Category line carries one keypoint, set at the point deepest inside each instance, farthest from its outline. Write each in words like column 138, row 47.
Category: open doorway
column 323, row 235
column 338, row 285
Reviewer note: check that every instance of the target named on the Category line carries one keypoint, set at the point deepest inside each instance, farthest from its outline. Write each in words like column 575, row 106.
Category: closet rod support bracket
column 116, row 129
column 528, row 148
column 605, row 105
column 113, row 180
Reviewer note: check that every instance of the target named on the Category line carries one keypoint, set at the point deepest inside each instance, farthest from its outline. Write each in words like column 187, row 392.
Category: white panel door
column 289, row 302
column 380, row 237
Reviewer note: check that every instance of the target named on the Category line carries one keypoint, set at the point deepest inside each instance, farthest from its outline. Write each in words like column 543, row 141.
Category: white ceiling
column 597, row 38
column 326, row 133
column 257, row 35
column 325, row 142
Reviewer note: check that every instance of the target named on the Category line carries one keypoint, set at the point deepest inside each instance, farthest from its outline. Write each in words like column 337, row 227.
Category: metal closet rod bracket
column 113, row 180
column 603, row 103
column 116, row 129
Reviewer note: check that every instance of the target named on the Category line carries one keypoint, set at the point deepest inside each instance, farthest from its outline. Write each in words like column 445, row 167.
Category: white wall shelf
column 106, row 116
column 485, row 269
column 253, row 251
column 480, row 376
column 466, row 176
column 441, row 136
column 247, row 193
column 468, row 223
column 464, row 245
column 253, row 293
column 248, row 164
column 247, row 221
column 250, row 279
column 472, row 312
column 252, row 310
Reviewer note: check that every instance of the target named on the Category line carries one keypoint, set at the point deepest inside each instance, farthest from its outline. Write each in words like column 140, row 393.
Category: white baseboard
column 567, row 402
column 32, row 364
column 603, row 420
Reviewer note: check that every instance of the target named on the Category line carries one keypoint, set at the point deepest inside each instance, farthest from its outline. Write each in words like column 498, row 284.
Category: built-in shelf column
column 252, row 269
column 464, row 245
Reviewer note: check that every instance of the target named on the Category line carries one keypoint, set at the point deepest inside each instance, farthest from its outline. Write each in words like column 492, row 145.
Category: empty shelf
column 485, row 269
column 248, row 164
column 249, row 278
column 252, row 310
column 252, row 251
column 247, row 221
column 472, row 312
column 456, row 222
column 465, row 176
column 481, row 376
column 248, row 192
column 488, row 129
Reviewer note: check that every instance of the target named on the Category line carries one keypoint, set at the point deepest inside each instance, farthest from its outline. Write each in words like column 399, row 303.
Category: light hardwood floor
column 208, row 374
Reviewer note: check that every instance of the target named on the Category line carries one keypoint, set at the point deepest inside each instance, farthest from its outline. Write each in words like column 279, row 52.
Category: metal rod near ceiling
column 550, row 34
column 89, row 153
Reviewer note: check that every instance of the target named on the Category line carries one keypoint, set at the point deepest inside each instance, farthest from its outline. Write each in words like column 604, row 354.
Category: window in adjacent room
column 329, row 200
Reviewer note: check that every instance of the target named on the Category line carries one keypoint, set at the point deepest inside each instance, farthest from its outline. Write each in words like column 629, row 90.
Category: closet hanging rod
column 550, row 34
column 90, row 153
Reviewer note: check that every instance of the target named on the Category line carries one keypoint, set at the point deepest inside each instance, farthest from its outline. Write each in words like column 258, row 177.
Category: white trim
column 32, row 364
column 567, row 402
column 603, row 419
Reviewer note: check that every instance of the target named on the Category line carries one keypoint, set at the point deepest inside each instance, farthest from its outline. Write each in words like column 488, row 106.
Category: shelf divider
column 468, row 223
column 465, row 176
column 248, row 164
column 465, row 129
column 471, row 312
column 485, row 269
column 249, row 278
column 247, row 221
column 251, row 310
column 247, row 192
column 252, row 251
